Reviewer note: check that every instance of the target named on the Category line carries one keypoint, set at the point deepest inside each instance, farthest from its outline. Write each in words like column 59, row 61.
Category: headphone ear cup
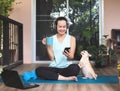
column 54, row 25
column 68, row 25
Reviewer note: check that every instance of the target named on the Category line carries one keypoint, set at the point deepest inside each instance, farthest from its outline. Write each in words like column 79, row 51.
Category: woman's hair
column 59, row 19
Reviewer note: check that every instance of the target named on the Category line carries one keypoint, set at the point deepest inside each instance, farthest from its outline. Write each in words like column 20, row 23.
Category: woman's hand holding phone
column 67, row 51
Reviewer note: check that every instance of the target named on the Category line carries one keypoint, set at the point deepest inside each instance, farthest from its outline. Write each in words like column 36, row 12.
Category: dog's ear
column 89, row 55
column 82, row 52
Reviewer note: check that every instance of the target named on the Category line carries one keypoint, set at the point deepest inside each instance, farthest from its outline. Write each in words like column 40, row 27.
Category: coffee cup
column 49, row 41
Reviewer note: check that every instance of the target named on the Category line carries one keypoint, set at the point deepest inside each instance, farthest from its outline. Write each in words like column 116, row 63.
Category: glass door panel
column 83, row 17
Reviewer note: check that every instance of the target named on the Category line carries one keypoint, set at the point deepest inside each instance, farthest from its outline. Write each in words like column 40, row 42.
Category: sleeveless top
column 61, row 60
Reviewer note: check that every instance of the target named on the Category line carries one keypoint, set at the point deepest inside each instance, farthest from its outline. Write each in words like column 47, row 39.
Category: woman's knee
column 75, row 69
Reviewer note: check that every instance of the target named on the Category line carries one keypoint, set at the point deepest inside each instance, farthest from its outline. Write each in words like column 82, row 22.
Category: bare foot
column 74, row 78
column 95, row 76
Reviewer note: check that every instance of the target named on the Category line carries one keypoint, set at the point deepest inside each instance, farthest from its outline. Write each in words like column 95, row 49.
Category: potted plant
column 99, row 55
column 104, row 57
column 112, row 56
column 118, row 69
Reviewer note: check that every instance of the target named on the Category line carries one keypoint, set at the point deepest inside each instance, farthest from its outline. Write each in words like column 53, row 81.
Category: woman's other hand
column 44, row 41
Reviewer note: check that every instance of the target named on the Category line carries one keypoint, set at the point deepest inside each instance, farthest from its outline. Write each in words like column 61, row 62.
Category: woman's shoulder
column 72, row 37
column 54, row 36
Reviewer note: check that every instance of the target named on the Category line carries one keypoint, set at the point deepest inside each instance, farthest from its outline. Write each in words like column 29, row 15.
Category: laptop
column 11, row 78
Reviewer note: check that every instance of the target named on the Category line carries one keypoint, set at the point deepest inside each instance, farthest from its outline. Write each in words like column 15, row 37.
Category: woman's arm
column 50, row 52
column 73, row 46
column 71, row 52
column 49, row 49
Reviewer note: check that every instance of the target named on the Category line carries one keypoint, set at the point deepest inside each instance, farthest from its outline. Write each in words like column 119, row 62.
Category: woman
column 60, row 68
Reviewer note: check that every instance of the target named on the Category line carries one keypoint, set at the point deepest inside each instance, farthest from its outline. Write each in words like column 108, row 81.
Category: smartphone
column 67, row 49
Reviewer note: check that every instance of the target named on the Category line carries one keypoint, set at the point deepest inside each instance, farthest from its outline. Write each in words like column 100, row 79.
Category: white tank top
column 58, row 48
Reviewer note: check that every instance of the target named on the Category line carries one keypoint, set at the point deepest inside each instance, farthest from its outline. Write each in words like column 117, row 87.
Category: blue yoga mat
column 99, row 80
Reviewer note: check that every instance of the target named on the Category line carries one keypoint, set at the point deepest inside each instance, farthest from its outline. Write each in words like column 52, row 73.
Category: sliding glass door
column 83, row 17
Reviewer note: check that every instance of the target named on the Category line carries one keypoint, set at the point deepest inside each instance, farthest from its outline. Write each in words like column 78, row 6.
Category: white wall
column 22, row 13
column 111, row 16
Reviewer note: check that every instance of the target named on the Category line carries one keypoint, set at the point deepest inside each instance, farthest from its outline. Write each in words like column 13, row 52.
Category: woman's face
column 61, row 27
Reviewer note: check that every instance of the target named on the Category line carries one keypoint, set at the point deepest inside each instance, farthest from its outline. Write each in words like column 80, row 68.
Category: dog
column 86, row 67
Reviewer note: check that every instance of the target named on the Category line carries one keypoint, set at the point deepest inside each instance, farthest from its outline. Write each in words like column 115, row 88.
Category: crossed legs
column 52, row 73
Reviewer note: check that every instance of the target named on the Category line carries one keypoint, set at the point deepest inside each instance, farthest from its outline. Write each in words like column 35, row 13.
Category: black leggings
column 52, row 73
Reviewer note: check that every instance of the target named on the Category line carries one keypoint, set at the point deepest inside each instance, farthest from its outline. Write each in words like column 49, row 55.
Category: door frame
column 33, row 27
